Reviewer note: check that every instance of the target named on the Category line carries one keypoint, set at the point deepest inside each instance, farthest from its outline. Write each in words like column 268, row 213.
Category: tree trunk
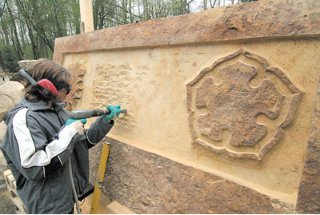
column 205, row 4
column 25, row 14
column 15, row 31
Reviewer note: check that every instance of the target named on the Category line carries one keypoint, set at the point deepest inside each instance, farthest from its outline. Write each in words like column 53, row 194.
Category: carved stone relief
column 78, row 71
column 239, row 106
column 117, row 84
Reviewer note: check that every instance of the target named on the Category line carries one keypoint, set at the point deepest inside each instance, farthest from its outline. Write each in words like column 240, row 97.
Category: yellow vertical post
column 99, row 179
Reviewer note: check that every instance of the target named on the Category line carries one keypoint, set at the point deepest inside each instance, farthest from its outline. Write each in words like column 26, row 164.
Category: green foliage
column 31, row 26
column 8, row 59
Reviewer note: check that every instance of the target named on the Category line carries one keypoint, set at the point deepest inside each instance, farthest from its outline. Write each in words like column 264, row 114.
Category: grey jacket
column 37, row 147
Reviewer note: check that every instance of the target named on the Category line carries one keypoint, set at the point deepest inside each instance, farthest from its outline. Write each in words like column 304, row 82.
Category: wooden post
column 86, row 15
column 95, row 203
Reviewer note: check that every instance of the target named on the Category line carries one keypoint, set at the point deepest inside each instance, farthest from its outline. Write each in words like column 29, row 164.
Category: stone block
column 10, row 94
column 25, row 64
column 117, row 208
column 226, row 100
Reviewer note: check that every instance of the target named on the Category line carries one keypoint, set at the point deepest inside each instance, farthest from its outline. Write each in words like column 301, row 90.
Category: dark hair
column 47, row 69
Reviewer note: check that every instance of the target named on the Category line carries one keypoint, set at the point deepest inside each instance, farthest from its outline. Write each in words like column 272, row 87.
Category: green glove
column 77, row 124
column 114, row 111
column 70, row 121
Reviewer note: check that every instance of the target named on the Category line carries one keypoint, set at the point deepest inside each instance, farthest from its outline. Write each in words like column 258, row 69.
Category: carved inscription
column 222, row 100
column 117, row 84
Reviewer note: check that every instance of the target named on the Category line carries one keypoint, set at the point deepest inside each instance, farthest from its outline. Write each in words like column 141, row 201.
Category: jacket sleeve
column 98, row 131
column 37, row 156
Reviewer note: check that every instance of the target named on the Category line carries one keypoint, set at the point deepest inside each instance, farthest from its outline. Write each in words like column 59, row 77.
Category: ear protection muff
column 45, row 87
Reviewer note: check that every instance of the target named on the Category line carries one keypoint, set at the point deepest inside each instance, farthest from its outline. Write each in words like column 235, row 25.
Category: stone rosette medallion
column 239, row 106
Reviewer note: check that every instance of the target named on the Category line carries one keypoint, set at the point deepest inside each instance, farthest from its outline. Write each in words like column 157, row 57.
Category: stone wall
column 222, row 108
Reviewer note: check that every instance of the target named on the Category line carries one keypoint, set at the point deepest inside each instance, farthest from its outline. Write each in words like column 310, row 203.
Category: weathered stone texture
column 309, row 192
column 10, row 95
column 148, row 183
column 25, row 64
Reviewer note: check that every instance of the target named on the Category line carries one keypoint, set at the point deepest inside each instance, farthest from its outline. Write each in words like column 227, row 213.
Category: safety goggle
column 68, row 88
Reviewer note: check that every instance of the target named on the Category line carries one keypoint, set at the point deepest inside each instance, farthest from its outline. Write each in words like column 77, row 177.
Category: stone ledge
column 262, row 19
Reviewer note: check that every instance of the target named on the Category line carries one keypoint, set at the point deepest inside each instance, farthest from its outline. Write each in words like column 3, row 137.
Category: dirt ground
column 6, row 205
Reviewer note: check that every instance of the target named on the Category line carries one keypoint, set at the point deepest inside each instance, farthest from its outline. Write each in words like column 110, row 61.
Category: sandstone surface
column 226, row 100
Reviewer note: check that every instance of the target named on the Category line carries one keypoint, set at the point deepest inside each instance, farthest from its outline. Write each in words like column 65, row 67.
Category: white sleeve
column 28, row 154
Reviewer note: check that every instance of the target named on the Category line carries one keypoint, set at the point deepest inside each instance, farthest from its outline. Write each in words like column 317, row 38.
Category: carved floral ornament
column 240, row 106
